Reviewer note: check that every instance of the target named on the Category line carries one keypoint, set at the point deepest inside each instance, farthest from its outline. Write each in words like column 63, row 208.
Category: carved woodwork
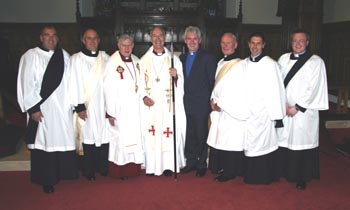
column 137, row 17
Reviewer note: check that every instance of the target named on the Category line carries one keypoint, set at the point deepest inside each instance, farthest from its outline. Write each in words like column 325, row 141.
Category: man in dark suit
column 199, row 69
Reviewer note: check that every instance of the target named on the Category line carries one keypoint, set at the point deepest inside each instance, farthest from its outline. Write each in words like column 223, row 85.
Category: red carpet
column 331, row 192
column 187, row 193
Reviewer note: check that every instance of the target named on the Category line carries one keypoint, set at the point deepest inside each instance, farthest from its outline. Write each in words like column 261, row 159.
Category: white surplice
column 265, row 99
column 121, row 87
column 86, row 87
column 308, row 89
column 157, row 120
column 228, row 127
column 55, row 131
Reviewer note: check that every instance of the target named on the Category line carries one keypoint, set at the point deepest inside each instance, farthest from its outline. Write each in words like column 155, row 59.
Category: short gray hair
column 234, row 36
column 192, row 29
column 124, row 37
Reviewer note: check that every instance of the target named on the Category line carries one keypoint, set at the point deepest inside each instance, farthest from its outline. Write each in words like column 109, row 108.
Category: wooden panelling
column 336, row 52
column 272, row 38
column 335, row 46
column 22, row 36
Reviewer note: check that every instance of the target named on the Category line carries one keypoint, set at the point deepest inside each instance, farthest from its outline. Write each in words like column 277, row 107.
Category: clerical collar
column 125, row 59
column 43, row 48
column 89, row 53
column 158, row 54
column 257, row 58
column 193, row 53
column 230, row 57
column 296, row 56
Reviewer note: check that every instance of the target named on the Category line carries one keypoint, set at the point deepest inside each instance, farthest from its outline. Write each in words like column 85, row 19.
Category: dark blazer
column 199, row 85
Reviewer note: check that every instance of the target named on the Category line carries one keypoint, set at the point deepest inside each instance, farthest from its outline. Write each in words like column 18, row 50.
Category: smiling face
column 299, row 42
column 192, row 41
column 158, row 39
column 49, row 38
column 256, row 45
column 91, row 40
column 125, row 47
column 228, row 44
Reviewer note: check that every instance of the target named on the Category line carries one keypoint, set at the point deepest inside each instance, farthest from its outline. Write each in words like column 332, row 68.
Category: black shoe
column 149, row 174
column 167, row 173
column 124, row 178
column 48, row 189
column 220, row 171
column 91, row 177
column 223, row 178
column 301, row 185
column 187, row 169
column 201, row 172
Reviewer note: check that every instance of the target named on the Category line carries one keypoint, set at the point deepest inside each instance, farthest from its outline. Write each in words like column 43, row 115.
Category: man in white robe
column 122, row 95
column 265, row 100
column 306, row 92
column 226, row 134
column 86, row 88
column 157, row 112
column 42, row 92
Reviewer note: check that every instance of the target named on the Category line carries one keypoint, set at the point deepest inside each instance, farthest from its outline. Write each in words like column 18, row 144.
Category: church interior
column 327, row 21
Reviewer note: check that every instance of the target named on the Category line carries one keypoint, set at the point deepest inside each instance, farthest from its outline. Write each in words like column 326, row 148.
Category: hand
column 111, row 120
column 148, row 101
column 82, row 115
column 36, row 116
column 214, row 106
column 173, row 72
column 291, row 110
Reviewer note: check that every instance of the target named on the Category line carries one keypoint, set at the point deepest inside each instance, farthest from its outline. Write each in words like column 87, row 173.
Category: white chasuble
column 123, row 104
column 55, row 131
column 157, row 126
column 308, row 89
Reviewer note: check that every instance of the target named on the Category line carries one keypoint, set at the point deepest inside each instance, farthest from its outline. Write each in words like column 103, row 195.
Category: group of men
column 123, row 113
column 265, row 120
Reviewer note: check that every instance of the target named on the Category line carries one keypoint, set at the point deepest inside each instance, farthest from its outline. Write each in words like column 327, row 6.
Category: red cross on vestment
column 152, row 130
column 167, row 132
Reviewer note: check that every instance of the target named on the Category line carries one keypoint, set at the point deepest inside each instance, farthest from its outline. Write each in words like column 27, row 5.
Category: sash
column 51, row 80
column 96, row 73
column 226, row 68
column 295, row 68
